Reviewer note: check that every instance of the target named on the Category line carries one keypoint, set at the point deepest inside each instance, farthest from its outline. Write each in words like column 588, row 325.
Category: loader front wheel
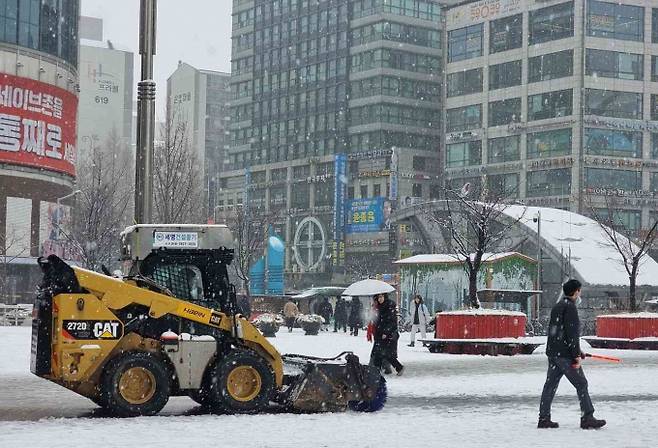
column 135, row 383
column 240, row 383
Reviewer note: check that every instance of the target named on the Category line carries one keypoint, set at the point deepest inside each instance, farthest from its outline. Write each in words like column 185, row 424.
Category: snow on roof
column 457, row 258
column 592, row 257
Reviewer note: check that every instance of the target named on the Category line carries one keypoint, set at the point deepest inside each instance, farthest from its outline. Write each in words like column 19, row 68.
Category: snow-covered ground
column 442, row 400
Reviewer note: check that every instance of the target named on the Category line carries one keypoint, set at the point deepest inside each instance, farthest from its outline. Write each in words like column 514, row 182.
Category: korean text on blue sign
column 364, row 215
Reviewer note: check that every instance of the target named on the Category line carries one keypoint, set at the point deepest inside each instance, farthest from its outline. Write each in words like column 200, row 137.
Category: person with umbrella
column 355, row 320
column 386, row 334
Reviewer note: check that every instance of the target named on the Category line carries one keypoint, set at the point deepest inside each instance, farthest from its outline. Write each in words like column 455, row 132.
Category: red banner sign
column 37, row 125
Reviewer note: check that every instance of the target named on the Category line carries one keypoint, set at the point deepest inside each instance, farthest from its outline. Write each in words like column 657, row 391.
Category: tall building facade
column 555, row 103
column 200, row 99
column 38, row 117
column 106, row 92
column 335, row 119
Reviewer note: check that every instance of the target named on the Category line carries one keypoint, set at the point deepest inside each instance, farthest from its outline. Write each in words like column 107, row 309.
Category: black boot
column 546, row 423
column 411, row 345
column 590, row 422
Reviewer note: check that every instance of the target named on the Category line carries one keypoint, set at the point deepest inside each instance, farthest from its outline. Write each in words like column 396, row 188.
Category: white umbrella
column 368, row 288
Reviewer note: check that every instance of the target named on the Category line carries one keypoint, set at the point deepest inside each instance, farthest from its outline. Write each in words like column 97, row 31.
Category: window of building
column 464, row 154
column 613, row 179
column 504, row 75
column 464, row 118
column 609, row 103
column 550, row 105
column 302, row 196
column 654, row 182
column 607, row 142
column 503, row 149
column 505, row 112
column 654, row 25
column 506, row 33
column 363, row 191
column 503, row 185
column 350, row 192
column 654, row 107
column 551, row 23
column 417, row 190
column 623, row 220
column 377, row 190
column 549, row 183
column 549, row 143
column 615, row 21
column 654, row 68
column 465, row 43
column 612, row 64
column 550, row 66
column 464, row 82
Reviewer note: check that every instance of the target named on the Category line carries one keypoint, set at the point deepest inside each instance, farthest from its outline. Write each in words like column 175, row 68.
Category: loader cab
column 189, row 262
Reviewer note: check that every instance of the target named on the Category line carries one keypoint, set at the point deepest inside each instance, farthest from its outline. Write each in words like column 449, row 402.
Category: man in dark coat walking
column 564, row 356
column 326, row 311
column 340, row 315
column 386, row 334
column 355, row 319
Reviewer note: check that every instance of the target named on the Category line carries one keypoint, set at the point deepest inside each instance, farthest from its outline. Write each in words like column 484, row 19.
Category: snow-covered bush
column 268, row 323
column 310, row 323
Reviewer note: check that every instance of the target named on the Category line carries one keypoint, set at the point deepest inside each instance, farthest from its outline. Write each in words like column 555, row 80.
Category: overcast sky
column 195, row 31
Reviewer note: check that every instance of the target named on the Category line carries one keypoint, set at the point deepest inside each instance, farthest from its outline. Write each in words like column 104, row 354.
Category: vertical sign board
column 393, row 177
column 37, row 125
column 340, row 176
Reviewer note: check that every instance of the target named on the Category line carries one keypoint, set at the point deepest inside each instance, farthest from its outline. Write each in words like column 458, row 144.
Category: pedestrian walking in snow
column 355, row 319
column 564, row 356
column 326, row 311
column 386, row 334
column 340, row 315
column 245, row 307
column 420, row 315
column 290, row 312
column 370, row 335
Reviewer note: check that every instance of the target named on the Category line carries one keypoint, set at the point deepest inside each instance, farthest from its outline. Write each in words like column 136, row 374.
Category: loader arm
column 117, row 294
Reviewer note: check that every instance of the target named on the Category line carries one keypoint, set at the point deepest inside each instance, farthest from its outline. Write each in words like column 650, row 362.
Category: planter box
column 627, row 326
column 480, row 324
column 311, row 328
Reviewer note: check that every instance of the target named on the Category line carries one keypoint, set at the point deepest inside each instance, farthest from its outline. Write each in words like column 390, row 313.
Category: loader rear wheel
column 135, row 383
column 240, row 383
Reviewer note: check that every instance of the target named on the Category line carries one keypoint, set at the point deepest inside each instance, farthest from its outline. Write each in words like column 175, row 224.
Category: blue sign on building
column 364, row 215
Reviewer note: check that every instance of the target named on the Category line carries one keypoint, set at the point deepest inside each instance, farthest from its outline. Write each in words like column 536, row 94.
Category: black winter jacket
column 564, row 331
column 386, row 322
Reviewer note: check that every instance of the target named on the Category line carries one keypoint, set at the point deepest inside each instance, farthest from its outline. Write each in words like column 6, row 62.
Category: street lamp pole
column 59, row 200
column 539, row 259
column 145, row 115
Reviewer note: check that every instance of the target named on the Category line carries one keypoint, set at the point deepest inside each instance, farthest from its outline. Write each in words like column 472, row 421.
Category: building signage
column 482, row 11
column 616, row 163
column 621, row 123
column 374, row 154
column 620, row 192
column 364, row 215
column 340, row 179
column 37, row 125
column 393, row 179
column 549, row 163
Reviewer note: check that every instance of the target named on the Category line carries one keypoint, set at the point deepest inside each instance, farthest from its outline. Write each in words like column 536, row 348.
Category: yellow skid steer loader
column 168, row 326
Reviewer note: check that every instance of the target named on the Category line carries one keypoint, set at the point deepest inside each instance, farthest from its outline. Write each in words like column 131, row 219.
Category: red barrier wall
column 626, row 326
column 469, row 325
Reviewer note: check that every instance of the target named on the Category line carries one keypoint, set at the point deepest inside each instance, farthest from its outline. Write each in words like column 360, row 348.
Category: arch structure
column 567, row 238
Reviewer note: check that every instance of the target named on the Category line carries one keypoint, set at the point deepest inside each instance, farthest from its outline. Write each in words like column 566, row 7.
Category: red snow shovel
column 603, row 358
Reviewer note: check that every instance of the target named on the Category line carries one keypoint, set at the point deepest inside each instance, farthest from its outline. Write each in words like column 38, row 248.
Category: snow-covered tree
column 475, row 227
column 177, row 193
column 103, row 206
column 631, row 245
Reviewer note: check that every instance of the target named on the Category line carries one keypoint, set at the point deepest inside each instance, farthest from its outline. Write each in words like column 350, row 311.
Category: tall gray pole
column 145, row 115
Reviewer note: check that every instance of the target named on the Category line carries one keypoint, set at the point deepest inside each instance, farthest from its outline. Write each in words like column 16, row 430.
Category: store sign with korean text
column 481, row 11
column 340, row 180
column 37, row 125
column 364, row 215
